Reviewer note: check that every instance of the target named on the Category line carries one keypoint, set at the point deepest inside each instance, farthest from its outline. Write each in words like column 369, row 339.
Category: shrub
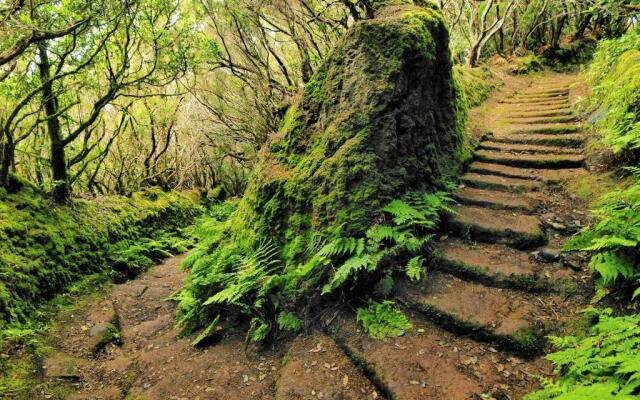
column 603, row 365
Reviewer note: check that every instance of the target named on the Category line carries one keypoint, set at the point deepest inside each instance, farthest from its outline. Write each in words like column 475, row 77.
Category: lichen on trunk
column 380, row 118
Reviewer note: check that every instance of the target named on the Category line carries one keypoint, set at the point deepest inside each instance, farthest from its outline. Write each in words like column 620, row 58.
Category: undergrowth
column 46, row 247
column 53, row 256
column 233, row 278
column 603, row 365
column 615, row 74
column 477, row 84
column 383, row 319
column 614, row 239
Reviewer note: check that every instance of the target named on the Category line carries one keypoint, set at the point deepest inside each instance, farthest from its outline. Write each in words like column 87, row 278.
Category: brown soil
column 152, row 363
column 473, row 316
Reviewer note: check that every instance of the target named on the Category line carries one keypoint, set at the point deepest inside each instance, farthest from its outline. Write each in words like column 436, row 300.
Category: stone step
column 543, row 175
column 514, row 159
column 533, row 98
column 547, row 129
column 315, row 363
column 527, row 148
column 535, row 113
column 570, row 139
column 495, row 265
column 426, row 363
column 551, row 91
column 539, row 102
column 486, row 225
column 511, row 319
column 498, row 200
column 496, row 182
column 543, row 120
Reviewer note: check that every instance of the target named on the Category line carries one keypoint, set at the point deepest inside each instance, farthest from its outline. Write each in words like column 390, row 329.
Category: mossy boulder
column 381, row 117
column 525, row 65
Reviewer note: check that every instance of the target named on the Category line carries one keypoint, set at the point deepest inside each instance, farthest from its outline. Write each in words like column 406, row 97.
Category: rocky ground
column 496, row 287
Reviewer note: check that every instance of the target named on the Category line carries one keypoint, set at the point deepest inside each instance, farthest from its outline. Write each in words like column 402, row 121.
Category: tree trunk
column 50, row 101
column 7, row 154
column 557, row 34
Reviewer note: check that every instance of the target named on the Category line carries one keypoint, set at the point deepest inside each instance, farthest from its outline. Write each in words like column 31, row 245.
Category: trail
column 495, row 289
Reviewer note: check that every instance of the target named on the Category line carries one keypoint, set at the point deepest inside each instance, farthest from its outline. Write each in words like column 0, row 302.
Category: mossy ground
column 477, row 84
column 44, row 247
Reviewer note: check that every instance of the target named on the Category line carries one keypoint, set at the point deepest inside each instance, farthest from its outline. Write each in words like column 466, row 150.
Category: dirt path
column 497, row 286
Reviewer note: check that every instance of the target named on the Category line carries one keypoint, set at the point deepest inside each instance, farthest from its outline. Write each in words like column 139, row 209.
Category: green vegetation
column 526, row 64
column 255, row 282
column 602, row 365
column 382, row 320
column 477, row 84
column 615, row 73
column 44, row 247
column 615, row 237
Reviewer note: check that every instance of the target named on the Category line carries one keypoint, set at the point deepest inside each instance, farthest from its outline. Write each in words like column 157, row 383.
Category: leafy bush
column 256, row 282
column 381, row 320
column 603, row 365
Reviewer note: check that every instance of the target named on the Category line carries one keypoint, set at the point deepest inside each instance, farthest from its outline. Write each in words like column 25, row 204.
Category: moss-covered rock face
column 380, row 118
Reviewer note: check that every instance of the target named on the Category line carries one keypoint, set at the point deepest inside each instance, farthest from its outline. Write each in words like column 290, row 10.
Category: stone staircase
column 484, row 287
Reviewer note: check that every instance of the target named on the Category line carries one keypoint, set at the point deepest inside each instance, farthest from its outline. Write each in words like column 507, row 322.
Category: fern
column 603, row 365
column 415, row 268
column 248, row 276
column 381, row 320
column 349, row 268
column 249, row 271
column 288, row 321
column 413, row 217
column 614, row 239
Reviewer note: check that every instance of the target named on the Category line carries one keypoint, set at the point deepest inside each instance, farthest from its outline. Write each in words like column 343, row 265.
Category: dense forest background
column 123, row 122
column 108, row 97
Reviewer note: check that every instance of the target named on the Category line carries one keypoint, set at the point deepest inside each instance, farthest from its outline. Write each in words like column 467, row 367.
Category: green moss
column 526, row 64
column 477, row 84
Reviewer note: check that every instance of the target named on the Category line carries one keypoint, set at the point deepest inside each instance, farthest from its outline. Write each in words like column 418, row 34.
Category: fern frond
column 350, row 268
column 415, row 268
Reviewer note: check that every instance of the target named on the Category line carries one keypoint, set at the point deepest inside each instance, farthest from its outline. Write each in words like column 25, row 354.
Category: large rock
column 380, row 118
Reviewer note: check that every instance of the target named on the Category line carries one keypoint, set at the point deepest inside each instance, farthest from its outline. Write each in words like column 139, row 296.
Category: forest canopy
column 111, row 96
